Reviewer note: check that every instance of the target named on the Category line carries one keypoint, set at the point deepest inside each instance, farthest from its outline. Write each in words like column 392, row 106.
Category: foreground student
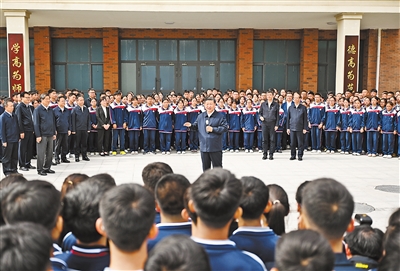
column 127, row 219
column 214, row 202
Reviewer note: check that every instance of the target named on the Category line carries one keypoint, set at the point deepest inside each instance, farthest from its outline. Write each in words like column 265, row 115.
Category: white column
column 348, row 24
column 17, row 23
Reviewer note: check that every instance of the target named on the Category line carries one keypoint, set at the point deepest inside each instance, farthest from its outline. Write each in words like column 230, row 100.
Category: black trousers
column 103, row 140
column 61, row 146
column 296, row 140
column 81, row 138
column 268, row 140
column 211, row 157
column 71, row 143
column 10, row 158
column 25, row 149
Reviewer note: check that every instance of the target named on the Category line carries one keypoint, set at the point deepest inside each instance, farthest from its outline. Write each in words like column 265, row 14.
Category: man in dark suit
column 269, row 115
column 103, row 127
column 296, row 126
column 285, row 106
column 92, row 95
column 80, row 120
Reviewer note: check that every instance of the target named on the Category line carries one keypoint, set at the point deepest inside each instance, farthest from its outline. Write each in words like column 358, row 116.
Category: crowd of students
column 349, row 123
column 218, row 222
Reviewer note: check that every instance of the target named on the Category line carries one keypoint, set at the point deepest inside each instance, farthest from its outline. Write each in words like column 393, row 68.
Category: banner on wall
column 351, row 63
column 16, row 63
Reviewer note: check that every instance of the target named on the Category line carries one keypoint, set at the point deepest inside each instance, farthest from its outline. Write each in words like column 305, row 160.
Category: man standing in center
column 297, row 126
column 269, row 115
column 210, row 125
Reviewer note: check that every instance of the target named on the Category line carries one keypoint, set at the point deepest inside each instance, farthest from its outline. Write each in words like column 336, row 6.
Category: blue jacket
column 150, row 115
column 357, row 119
column 235, row 116
column 181, row 116
column 167, row 229
column 389, row 123
column 9, row 128
column 93, row 119
column 25, row 117
column 63, row 120
column 135, row 117
column 117, row 114
column 80, row 119
column 44, row 121
column 316, row 113
column 224, row 111
column 285, row 107
column 345, row 118
column 372, row 118
column 331, row 118
column 166, row 121
column 210, row 142
column 281, row 121
column 193, row 113
column 249, row 120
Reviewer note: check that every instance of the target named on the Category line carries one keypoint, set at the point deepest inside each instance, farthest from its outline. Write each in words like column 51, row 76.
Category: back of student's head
column 328, row 207
column 71, row 181
column 303, row 250
column 216, row 196
column 280, row 208
column 177, row 253
column 127, row 212
column 81, row 209
column 153, row 172
column 104, row 178
column 299, row 195
column 365, row 241
column 170, row 191
column 24, row 247
column 394, row 218
column 255, row 197
column 33, row 201
column 6, row 185
column 391, row 246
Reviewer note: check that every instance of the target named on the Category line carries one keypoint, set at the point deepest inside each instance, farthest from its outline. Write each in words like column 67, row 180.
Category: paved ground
column 359, row 174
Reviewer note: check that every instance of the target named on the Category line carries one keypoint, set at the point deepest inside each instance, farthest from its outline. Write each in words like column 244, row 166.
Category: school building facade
column 147, row 46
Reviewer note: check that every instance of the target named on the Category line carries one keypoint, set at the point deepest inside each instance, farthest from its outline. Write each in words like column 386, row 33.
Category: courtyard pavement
column 360, row 174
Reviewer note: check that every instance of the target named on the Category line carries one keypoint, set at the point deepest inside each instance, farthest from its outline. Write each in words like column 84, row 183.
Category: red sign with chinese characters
column 16, row 63
column 351, row 63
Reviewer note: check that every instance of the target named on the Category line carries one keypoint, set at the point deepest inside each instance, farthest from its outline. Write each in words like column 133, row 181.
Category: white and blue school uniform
column 357, row 122
column 389, row 125
column 372, row 122
column 167, row 229
column 150, row 115
column 165, row 124
column 315, row 115
column 181, row 116
column 68, row 241
column 224, row 255
column 56, row 263
column 134, row 124
column 234, row 128
column 224, row 112
column 249, row 123
column 193, row 113
column 281, row 128
column 118, row 117
column 345, row 136
column 331, row 121
column 257, row 240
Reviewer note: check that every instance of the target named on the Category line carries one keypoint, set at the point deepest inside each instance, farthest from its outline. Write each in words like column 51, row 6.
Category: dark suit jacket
column 101, row 118
column 297, row 118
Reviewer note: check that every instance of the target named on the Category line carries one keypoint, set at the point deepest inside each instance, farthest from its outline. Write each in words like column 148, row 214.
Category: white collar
column 213, row 242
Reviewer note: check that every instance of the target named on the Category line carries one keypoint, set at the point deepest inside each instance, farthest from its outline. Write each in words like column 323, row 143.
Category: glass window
column 188, row 50
column 59, row 52
column 326, row 66
column 293, row 51
column 128, row 77
column 97, row 76
column 227, row 76
column 59, row 77
column 227, row 50
column 128, row 50
column 78, row 50
column 78, row 76
column 189, row 77
column 148, row 74
column 293, row 77
column 209, row 50
column 96, row 50
column 275, row 51
column 168, row 50
column 274, row 76
column 147, row 49
column 258, row 51
column 167, row 78
column 207, row 75
column 258, row 77
column 3, row 68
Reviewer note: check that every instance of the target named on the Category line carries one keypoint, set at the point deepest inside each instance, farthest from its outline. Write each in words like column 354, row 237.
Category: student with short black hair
column 169, row 192
column 279, row 210
column 391, row 249
column 24, row 247
column 127, row 219
column 299, row 200
column 178, row 253
column 364, row 246
column 394, row 218
column 214, row 199
column 303, row 250
column 251, row 235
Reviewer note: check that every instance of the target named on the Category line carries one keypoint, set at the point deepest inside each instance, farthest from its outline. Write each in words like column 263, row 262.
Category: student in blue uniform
column 165, row 126
column 373, row 126
column 315, row 114
column 211, row 215
column 63, row 127
column 235, row 115
column 357, row 124
column 251, row 236
column 224, row 111
column 80, row 213
column 150, row 116
column 331, row 121
column 194, row 111
column 92, row 139
column 280, row 130
column 389, row 129
column 345, row 135
column 118, row 121
column 134, row 125
column 169, row 192
column 249, row 125
column 181, row 117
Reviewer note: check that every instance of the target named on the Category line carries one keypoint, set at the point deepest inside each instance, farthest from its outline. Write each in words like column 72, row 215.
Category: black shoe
column 49, row 171
column 292, row 158
column 23, row 169
column 271, row 158
column 42, row 173
column 65, row 160
column 77, row 160
column 57, row 162
column 34, row 157
column 264, row 156
column 31, row 167
column 53, row 163
column 86, row 158
column 300, row 159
